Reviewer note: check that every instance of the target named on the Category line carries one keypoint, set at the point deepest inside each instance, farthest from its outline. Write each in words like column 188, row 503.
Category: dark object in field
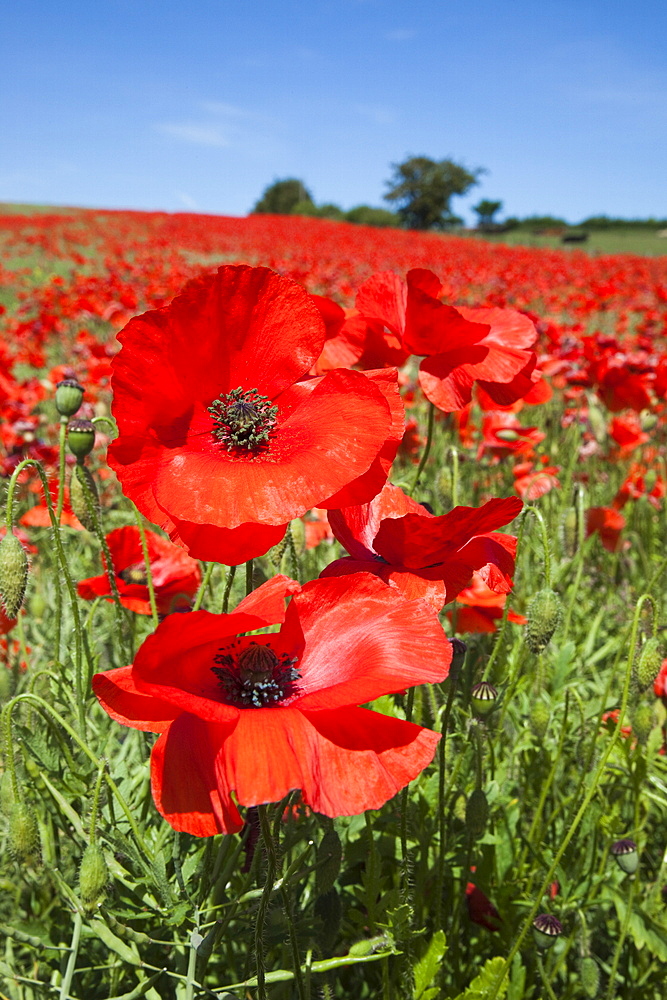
column 574, row 236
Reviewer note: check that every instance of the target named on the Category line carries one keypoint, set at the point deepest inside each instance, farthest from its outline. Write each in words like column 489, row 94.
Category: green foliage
column 366, row 215
column 282, row 197
column 485, row 211
column 423, row 188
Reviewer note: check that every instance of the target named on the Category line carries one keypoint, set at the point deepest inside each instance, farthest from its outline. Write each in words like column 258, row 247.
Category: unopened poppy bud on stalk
column 477, row 813
column 93, row 876
column 69, row 396
column 13, row 574
column 81, row 437
column 589, row 974
column 82, row 484
column 23, row 834
column 544, row 616
column 626, row 855
column 648, row 664
column 483, row 698
column 546, row 928
column 459, row 650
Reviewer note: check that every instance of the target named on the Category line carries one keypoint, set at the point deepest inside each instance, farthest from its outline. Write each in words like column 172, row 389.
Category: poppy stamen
column 136, row 573
column 256, row 677
column 243, row 419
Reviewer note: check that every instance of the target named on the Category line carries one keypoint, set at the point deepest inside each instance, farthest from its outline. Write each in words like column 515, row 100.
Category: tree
column 423, row 188
column 486, row 210
column 281, row 197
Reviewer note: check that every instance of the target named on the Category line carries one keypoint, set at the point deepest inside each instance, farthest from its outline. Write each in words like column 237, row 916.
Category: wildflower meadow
column 333, row 613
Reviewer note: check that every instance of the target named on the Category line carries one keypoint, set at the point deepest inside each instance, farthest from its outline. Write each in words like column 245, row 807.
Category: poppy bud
column 477, row 813
column 81, row 437
column 507, row 434
column 84, row 502
column 93, row 876
column 13, row 574
column 443, row 487
column 546, row 929
column 483, row 698
column 459, row 650
column 643, row 722
column 544, row 615
column 647, row 667
column 23, row 834
column 589, row 975
column 69, row 395
column 626, row 855
column 539, row 719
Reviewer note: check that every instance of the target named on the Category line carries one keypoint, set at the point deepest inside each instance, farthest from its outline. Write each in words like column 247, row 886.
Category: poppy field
column 333, row 620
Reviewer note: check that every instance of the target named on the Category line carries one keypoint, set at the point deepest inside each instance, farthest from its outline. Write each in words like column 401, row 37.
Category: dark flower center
column 256, row 676
column 136, row 573
column 243, row 419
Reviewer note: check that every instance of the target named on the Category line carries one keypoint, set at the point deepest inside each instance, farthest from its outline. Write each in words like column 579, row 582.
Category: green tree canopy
column 281, row 197
column 486, row 210
column 423, row 188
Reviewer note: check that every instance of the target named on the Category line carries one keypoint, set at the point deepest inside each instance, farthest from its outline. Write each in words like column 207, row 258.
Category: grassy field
column 644, row 241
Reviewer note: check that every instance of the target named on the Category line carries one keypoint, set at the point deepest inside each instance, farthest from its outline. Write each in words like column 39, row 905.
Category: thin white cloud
column 200, row 135
column 225, row 110
column 400, row 35
column 187, row 200
column 378, row 113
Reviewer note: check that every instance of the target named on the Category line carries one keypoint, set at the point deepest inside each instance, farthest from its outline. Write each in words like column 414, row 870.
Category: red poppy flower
column 219, row 442
column 176, row 577
column 480, row 908
column 482, row 608
column 425, row 556
column 245, row 719
column 608, row 523
column 462, row 346
column 660, row 683
column 6, row 624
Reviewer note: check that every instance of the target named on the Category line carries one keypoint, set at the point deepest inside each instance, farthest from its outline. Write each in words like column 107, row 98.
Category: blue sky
column 161, row 105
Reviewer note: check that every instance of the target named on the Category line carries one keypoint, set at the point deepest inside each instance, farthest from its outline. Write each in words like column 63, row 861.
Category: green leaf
column 427, row 967
column 482, row 985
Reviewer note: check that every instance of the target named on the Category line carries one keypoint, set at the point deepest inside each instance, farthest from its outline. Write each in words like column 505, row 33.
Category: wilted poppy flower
column 222, row 440
column 176, row 576
column 425, row 556
column 480, row 908
column 247, row 718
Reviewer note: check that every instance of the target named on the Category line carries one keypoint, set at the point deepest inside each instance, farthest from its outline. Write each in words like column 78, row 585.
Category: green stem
column 454, row 454
column 48, row 710
column 264, row 901
column 192, row 961
column 581, row 812
column 427, row 446
column 208, row 572
column 147, row 564
column 543, row 977
column 618, row 951
column 249, row 566
column 71, row 961
column 78, row 632
column 62, row 438
column 231, row 573
column 96, row 801
column 442, row 826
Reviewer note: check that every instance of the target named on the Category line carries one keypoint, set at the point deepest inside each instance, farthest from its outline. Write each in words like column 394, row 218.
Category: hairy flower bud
column 23, row 834
column 69, row 395
column 589, row 975
column 13, row 574
column 477, row 813
column 93, row 876
column 643, row 722
column 539, row 719
column 647, row 666
column 83, row 496
column 81, row 437
column 544, row 615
